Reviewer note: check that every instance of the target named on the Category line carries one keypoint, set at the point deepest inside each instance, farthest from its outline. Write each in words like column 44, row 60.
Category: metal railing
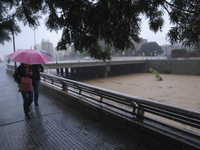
column 130, row 106
column 10, row 67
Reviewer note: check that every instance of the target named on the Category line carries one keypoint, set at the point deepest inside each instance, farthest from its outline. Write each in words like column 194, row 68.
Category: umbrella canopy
column 29, row 56
column 46, row 53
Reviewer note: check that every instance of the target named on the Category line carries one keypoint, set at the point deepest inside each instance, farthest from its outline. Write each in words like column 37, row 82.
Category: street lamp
column 56, row 57
column 166, row 44
column 78, row 56
column 14, row 45
column 34, row 39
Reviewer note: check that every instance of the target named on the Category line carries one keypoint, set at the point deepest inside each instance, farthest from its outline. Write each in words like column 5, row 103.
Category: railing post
column 64, row 86
column 52, row 81
column 101, row 98
column 134, row 109
column 79, row 91
column 140, row 112
column 135, row 106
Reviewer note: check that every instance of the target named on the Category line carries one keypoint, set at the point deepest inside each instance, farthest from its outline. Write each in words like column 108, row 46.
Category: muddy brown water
column 177, row 90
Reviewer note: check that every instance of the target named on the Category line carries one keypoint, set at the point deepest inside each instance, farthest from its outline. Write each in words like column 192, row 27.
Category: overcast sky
column 25, row 40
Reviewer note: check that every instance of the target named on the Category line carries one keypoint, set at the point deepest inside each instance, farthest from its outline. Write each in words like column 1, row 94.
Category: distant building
column 164, row 48
column 46, row 45
column 139, row 45
column 167, row 48
column 143, row 41
column 37, row 47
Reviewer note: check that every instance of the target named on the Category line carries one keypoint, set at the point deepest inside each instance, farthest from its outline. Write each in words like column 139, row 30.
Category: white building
column 46, row 45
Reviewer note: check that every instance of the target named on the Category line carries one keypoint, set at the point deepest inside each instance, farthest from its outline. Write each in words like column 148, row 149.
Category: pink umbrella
column 29, row 56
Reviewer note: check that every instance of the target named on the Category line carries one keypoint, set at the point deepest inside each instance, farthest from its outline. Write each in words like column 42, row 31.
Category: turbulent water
column 176, row 90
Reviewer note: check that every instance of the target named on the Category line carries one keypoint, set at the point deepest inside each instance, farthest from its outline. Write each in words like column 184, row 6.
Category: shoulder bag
column 25, row 85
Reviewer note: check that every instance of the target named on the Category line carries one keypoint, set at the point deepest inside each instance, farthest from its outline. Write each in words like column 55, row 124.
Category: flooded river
column 177, row 90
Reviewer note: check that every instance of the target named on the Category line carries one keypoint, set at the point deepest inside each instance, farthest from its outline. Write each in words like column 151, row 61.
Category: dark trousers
column 36, row 90
column 28, row 99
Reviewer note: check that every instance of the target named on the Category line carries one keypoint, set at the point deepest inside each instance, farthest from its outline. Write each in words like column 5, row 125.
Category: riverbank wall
column 186, row 67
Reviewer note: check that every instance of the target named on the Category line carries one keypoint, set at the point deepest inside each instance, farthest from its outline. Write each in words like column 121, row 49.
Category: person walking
column 25, row 70
column 36, row 81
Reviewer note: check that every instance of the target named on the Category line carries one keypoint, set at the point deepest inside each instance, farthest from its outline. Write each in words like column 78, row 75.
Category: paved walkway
column 53, row 125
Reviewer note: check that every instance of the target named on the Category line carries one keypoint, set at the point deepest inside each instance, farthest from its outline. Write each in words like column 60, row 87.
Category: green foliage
column 197, row 47
column 8, row 26
column 85, row 22
column 151, row 48
column 194, row 54
column 184, row 16
column 179, row 51
column 157, row 75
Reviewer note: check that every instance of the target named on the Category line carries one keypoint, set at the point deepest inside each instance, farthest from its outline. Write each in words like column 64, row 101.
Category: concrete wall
column 116, row 70
column 84, row 73
column 187, row 67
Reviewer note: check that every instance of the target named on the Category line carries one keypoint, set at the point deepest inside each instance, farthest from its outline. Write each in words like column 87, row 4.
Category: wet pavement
column 53, row 125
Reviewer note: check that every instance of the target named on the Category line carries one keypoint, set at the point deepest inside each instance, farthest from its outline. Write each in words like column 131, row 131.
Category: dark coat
column 21, row 72
column 37, row 73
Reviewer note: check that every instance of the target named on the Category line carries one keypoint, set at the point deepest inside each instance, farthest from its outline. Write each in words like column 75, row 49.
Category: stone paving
column 53, row 125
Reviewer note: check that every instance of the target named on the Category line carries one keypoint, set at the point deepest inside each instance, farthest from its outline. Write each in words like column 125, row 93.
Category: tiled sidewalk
column 53, row 125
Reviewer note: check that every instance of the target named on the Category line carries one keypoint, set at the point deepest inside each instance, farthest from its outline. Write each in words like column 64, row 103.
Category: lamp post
column 78, row 56
column 133, row 55
column 56, row 57
column 34, row 40
column 166, row 44
column 14, row 45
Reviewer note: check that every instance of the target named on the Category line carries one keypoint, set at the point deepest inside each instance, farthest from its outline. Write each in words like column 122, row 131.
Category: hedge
column 179, row 51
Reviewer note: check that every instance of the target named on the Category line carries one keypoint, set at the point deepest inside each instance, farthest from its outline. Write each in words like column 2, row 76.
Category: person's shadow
column 37, row 129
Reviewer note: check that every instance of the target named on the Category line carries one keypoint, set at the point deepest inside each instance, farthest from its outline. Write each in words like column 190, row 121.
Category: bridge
column 92, row 69
column 158, row 125
column 81, row 62
column 72, row 64
column 82, row 69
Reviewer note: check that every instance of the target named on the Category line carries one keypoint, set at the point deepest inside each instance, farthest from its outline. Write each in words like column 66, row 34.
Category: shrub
column 179, row 51
column 194, row 54
column 157, row 75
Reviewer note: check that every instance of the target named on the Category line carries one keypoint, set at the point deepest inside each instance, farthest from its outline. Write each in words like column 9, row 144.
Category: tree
column 197, row 47
column 8, row 26
column 151, row 48
column 185, row 16
column 85, row 22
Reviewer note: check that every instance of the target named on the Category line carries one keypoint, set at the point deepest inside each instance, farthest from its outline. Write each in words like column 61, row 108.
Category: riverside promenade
column 53, row 125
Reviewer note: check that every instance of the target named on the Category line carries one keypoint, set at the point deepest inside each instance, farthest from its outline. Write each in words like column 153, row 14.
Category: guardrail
column 130, row 106
column 10, row 67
